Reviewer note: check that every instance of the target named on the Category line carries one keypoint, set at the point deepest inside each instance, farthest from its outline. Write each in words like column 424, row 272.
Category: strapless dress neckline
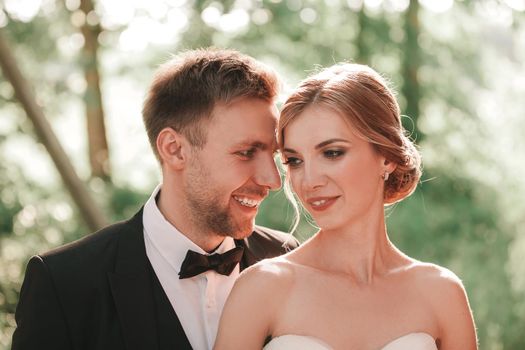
column 412, row 341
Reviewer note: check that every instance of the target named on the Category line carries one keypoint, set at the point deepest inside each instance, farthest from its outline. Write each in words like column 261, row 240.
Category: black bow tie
column 195, row 263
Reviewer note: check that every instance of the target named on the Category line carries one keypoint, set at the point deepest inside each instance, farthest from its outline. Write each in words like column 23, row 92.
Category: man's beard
column 206, row 209
column 210, row 216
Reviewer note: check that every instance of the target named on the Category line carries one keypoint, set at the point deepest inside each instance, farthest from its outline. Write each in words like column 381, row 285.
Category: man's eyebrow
column 255, row 144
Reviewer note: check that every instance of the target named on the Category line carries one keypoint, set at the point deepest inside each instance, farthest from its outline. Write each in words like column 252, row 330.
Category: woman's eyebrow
column 327, row 142
column 320, row 145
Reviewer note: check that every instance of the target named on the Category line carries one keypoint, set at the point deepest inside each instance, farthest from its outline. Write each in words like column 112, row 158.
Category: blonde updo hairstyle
column 363, row 97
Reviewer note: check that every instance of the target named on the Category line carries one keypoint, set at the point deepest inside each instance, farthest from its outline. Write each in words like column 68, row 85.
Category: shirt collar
column 167, row 239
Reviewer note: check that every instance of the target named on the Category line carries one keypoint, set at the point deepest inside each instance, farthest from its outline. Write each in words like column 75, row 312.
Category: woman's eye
column 292, row 162
column 333, row 153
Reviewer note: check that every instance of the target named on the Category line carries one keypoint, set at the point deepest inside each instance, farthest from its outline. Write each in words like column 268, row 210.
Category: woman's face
column 335, row 173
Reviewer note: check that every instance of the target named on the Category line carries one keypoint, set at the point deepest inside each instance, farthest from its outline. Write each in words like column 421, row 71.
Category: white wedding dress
column 411, row 341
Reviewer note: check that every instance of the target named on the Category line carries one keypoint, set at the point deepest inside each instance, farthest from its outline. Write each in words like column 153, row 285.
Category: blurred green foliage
column 460, row 79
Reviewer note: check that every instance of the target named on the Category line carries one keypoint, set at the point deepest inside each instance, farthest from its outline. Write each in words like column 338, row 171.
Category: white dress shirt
column 199, row 300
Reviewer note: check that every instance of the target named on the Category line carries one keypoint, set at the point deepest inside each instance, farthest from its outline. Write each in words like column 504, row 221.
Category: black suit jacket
column 101, row 292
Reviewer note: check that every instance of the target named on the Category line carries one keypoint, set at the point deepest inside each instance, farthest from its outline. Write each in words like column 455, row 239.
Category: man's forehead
column 246, row 104
column 268, row 118
column 245, row 121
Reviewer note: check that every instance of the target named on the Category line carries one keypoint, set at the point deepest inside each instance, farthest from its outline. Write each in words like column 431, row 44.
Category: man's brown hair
column 185, row 90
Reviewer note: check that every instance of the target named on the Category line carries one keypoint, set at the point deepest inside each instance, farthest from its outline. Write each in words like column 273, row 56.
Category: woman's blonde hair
column 363, row 97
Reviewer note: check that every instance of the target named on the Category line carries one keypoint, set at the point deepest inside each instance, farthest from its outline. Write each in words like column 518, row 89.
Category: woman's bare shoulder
column 259, row 291
column 274, row 272
column 433, row 276
column 442, row 287
column 446, row 294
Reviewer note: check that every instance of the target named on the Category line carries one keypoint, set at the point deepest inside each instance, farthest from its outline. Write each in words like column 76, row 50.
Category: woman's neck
column 361, row 249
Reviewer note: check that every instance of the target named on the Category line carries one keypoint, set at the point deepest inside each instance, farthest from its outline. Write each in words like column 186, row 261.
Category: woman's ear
column 389, row 166
column 172, row 147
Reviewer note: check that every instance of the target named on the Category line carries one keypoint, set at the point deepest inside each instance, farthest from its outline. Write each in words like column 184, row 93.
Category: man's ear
column 173, row 148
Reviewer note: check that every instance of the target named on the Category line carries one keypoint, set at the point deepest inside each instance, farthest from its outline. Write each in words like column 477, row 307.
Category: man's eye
column 332, row 154
column 292, row 162
column 249, row 153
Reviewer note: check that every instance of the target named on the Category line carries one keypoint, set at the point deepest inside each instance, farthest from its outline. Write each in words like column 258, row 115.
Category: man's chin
column 243, row 232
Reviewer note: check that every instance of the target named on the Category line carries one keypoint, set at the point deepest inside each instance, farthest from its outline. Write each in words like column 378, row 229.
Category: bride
column 347, row 287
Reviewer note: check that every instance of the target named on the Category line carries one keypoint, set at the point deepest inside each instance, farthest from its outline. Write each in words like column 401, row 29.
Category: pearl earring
column 385, row 176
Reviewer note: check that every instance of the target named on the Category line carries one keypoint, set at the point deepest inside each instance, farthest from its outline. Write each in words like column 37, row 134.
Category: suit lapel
column 133, row 292
column 263, row 244
column 135, row 310
column 248, row 257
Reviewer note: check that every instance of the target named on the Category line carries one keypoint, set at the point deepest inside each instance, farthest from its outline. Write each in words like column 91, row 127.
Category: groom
column 160, row 279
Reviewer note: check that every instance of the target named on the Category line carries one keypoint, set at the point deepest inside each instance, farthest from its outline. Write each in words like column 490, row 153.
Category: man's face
column 229, row 177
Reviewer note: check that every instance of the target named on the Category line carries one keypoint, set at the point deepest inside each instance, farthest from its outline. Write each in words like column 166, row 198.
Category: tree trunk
column 363, row 52
column 82, row 198
column 96, row 129
column 411, row 63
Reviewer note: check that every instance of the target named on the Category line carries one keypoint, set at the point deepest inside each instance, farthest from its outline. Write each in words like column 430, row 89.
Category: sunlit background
column 458, row 67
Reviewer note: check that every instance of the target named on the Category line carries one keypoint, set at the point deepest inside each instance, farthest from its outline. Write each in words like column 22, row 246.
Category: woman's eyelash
column 330, row 154
column 333, row 153
column 292, row 161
